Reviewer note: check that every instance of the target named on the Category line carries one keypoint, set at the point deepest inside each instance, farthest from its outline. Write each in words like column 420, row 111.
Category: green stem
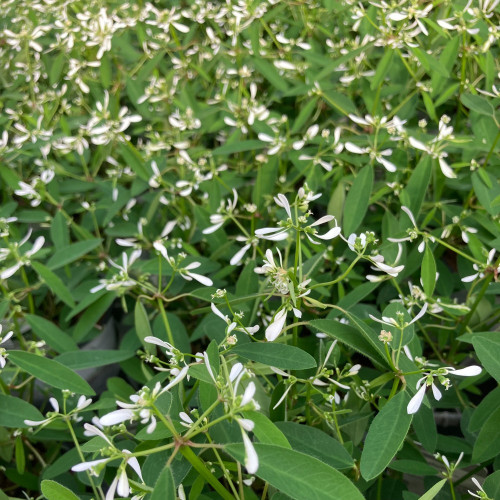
column 30, row 297
column 201, row 468
column 340, row 278
column 452, row 490
column 394, row 388
column 80, row 454
column 490, row 152
column 165, row 321
column 202, row 417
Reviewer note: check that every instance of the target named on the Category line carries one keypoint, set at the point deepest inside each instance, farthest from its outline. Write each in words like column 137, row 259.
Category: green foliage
column 249, row 249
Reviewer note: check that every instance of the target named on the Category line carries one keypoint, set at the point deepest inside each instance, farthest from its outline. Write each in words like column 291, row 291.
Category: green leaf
column 282, row 356
column 105, row 71
column 316, row 443
column 486, row 194
column 54, row 283
column 265, row 430
column 59, row 340
column 478, row 103
column 414, row 193
column 489, row 404
column 142, row 327
column 165, row 486
column 267, row 175
column 134, row 159
column 238, row 147
column 80, row 360
column 51, row 372
column 90, row 317
column 487, row 347
column 429, row 62
column 72, row 252
column 20, row 456
column 385, row 436
column 340, row 102
column 429, row 106
column 382, row 68
column 14, row 410
column 56, row 68
column 487, row 444
column 414, row 467
column 304, row 115
column 213, row 358
column 491, row 485
column 59, row 231
column 55, row 491
column 350, row 336
column 336, row 203
column 357, row 200
column 270, row 73
column 430, row 494
column 425, row 427
column 296, row 474
column 428, row 271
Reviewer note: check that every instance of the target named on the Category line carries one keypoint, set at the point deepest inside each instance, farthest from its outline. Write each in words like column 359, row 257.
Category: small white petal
column 202, row 279
column 248, row 394
column 352, row 148
column 416, row 401
column 333, row 233
column 116, row 417
column 235, row 371
column 470, row 371
column 123, row 488
column 446, row 169
column 87, row 465
column 134, row 463
column 251, row 458
column 274, row 329
column 236, row 259
column 436, row 392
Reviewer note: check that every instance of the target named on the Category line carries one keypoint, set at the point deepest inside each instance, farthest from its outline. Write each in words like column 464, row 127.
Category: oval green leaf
column 51, row 372
column 13, row 411
column 298, row 475
column 385, row 435
column 54, row 283
column 487, row 347
column 282, row 356
column 80, row 360
column 358, row 199
column 72, row 252
column 54, row 491
column 56, row 338
column 487, row 444
column 316, row 443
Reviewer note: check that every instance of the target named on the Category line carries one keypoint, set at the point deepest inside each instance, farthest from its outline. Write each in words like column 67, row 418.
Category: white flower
column 392, row 322
column 50, row 415
column 428, row 380
column 480, row 271
column 23, row 260
column 3, row 352
column 274, row 329
column 122, row 279
column 480, row 493
column 120, row 483
column 251, row 458
column 329, row 235
column 186, row 273
column 223, row 213
column 141, row 406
